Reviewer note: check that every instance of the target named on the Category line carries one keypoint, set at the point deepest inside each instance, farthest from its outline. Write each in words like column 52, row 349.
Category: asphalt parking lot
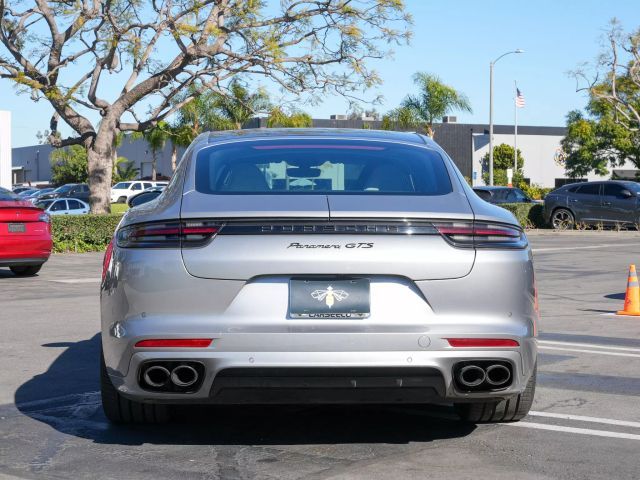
column 585, row 422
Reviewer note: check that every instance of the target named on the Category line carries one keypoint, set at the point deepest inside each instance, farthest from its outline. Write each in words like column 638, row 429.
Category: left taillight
column 167, row 235
column 107, row 259
column 482, row 235
column 44, row 217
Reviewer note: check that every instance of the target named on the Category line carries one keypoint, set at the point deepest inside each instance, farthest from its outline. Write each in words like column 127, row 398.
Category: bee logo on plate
column 329, row 295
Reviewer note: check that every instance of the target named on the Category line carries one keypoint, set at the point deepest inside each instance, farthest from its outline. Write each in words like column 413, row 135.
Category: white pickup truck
column 121, row 192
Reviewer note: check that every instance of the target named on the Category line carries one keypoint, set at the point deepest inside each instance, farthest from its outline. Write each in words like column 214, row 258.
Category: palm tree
column 294, row 119
column 237, row 108
column 434, row 100
column 124, row 170
column 156, row 138
column 214, row 111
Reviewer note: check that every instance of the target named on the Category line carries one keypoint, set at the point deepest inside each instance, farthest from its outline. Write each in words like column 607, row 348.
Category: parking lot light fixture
column 519, row 50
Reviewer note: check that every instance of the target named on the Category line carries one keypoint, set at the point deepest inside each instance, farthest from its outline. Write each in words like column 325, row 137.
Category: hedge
column 83, row 233
column 528, row 214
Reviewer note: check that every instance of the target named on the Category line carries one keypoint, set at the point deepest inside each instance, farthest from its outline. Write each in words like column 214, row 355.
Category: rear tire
column 25, row 270
column 510, row 410
column 562, row 219
column 121, row 410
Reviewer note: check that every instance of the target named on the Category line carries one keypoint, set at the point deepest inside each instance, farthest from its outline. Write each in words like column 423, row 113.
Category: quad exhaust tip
column 486, row 375
column 184, row 376
column 472, row 376
column 156, row 376
column 498, row 375
column 171, row 376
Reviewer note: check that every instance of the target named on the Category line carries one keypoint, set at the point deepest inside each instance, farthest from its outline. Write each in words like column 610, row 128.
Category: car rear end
column 378, row 287
column 25, row 233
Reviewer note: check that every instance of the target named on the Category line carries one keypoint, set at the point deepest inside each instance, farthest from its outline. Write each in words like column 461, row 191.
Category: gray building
column 465, row 143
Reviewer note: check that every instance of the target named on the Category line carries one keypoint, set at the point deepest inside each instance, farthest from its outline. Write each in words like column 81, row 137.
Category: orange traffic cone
column 632, row 297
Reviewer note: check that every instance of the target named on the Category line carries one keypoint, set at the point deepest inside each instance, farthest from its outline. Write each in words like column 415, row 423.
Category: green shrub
column 83, row 233
column 534, row 191
column 528, row 214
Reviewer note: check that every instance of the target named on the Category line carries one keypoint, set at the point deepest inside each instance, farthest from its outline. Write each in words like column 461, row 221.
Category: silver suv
column 321, row 266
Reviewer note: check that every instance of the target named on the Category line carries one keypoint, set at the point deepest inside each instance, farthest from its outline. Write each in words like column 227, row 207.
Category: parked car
column 498, row 195
column 591, row 203
column 35, row 196
column 145, row 196
column 25, row 235
column 63, row 206
column 121, row 192
column 20, row 188
column 26, row 193
column 70, row 190
column 318, row 266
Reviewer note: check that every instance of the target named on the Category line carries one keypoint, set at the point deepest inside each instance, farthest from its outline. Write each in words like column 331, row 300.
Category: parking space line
column 581, row 431
column 582, row 350
column 76, row 280
column 588, row 247
column 580, row 418
column 589, row 345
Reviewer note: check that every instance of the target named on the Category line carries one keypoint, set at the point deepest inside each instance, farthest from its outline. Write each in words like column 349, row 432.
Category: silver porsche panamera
column 322, row 266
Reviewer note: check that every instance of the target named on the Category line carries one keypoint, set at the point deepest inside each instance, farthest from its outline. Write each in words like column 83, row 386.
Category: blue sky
column 456, row 40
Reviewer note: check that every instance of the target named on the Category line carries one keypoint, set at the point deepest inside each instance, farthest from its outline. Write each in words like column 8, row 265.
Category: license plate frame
column 317, row 298
column 16, row 227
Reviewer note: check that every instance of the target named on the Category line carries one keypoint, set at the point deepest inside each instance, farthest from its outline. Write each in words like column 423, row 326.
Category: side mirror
column 626, row 193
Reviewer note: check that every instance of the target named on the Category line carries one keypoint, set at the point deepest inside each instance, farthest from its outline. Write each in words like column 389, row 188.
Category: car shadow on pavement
column 6, row 273
column 67, row 398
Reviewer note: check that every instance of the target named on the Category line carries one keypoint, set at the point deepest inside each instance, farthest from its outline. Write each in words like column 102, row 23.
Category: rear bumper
column 25, row 250
column 365, row 376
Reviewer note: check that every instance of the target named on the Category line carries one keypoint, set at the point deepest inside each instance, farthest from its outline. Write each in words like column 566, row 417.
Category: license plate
column 344, row 298
column 17, row 228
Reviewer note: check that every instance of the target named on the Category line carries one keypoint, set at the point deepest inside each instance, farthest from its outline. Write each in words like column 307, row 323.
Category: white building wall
column 5, row 149
column 540, row 154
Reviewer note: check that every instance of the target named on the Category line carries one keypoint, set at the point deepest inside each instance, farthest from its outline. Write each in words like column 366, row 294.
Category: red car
column 25, row 235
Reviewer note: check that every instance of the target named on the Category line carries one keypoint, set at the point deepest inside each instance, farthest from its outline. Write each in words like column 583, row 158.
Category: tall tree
column 69, row 165
column 433, row 101
column 607, row 134
column 502, row 160
column 150, row 52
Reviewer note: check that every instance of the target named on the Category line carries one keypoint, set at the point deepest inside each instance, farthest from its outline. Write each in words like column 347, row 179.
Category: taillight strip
column 167, row 235
column 194, row 233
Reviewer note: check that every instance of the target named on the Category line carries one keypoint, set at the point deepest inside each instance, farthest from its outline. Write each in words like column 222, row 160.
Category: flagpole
column 515, row 129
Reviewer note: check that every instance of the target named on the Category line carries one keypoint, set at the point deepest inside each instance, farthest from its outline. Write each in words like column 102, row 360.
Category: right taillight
column 106, row 261
column 190, row 233
column 482, row 235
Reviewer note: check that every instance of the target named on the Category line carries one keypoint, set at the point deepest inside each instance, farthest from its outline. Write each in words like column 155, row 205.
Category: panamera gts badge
column 329, row 295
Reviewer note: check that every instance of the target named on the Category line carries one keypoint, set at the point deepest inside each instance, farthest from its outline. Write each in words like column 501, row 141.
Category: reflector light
column 175, row 343
column 481, row 342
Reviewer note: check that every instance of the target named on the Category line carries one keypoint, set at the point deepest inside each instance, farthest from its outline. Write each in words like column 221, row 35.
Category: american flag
column 519, row 99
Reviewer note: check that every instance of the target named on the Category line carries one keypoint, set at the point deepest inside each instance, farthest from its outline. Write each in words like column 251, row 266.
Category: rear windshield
column 320, row 167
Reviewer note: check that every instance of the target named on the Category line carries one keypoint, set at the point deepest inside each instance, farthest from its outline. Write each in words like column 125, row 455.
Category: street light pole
column 491, row 111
